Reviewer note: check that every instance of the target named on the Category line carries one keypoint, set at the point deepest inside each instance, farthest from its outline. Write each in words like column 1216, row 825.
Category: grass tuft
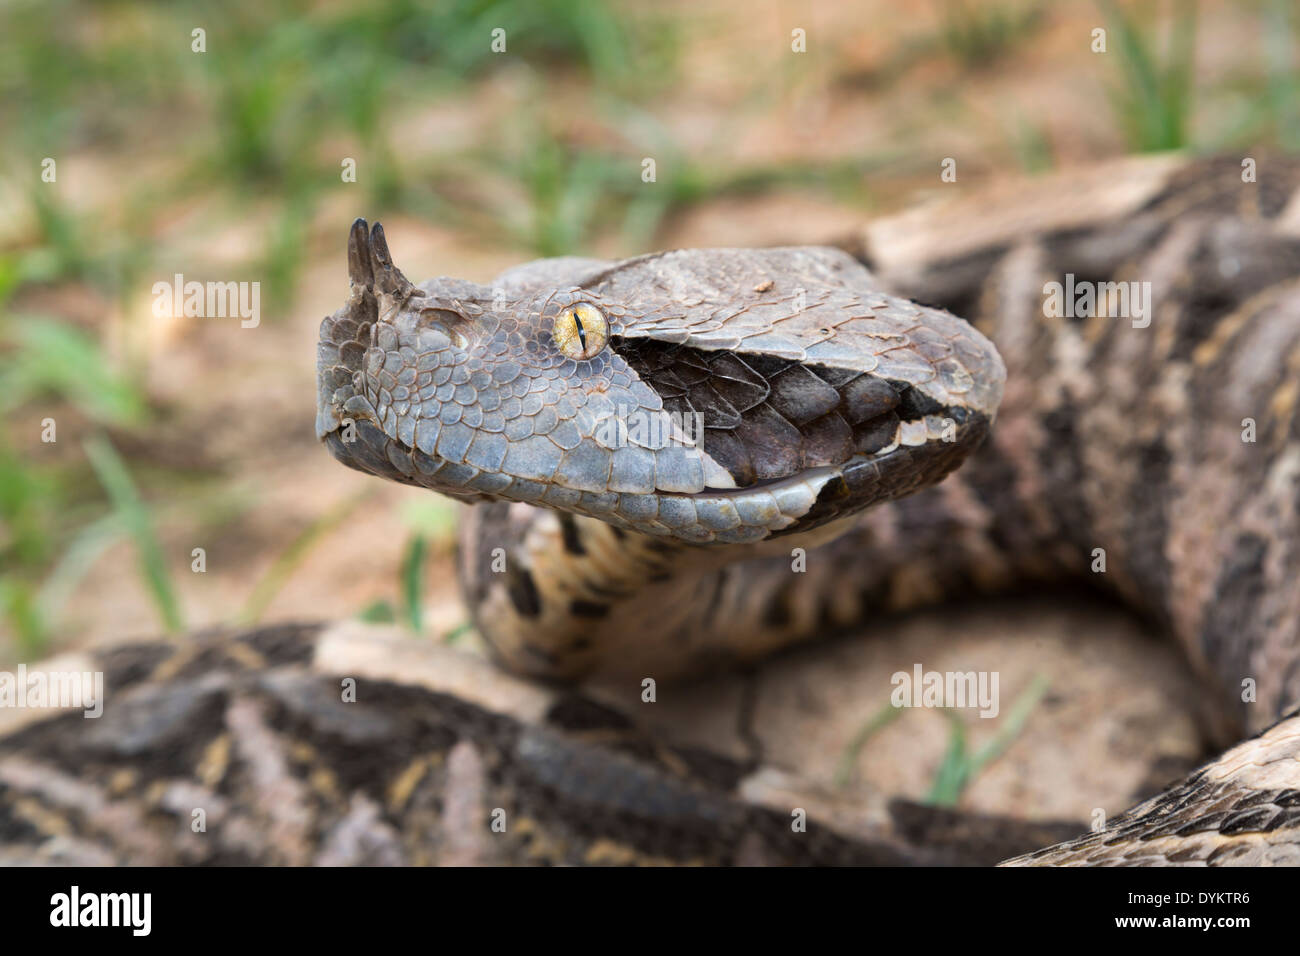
column 959, row 767
column 1153, row 100
column 978, row 33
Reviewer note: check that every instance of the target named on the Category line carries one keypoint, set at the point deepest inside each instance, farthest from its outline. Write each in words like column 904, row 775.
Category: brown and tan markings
column 836, row 400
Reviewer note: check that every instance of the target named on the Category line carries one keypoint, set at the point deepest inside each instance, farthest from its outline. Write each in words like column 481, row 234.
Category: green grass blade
column 1012, row 725
column 121, row 490
column 80, row 555
column 959, row 768
column 458, row 632
column 413, row 581
column 954, row 771
column 881, row 719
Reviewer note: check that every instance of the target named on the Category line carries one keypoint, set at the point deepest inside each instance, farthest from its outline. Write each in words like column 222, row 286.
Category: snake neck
column 565, row 597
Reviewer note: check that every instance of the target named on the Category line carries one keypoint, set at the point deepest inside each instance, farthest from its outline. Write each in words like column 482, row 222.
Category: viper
column 681, row 463
column 1167, row 443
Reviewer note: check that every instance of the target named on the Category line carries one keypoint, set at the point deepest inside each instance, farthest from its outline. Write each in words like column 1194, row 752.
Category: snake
column 678, row 468
column 653, row 445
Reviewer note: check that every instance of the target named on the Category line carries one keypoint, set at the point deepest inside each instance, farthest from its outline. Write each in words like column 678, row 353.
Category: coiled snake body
column 794, row 488
column 1167, row 441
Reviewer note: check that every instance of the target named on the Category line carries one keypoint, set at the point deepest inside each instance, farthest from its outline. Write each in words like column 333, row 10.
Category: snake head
column 702, row 395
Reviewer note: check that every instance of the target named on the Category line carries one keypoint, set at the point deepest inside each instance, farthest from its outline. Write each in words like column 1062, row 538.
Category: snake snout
column 346, row 352
column 393, row 364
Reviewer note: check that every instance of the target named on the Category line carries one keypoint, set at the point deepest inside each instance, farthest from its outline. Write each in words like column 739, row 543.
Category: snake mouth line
column 774, row 484
column 909, row 432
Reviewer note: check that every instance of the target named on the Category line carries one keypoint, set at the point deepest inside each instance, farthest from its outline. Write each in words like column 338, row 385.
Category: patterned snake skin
column 831, row 402
column 820, row 395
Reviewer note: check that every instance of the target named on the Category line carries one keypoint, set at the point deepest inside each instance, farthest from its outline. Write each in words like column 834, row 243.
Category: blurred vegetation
column 1153, row 99
column 979, row 34
column 256, row 126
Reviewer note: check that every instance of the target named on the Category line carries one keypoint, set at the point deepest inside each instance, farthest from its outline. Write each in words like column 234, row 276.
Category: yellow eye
column 580, row 331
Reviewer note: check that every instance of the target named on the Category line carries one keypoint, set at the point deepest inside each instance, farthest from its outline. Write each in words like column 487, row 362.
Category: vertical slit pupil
column 582, row 333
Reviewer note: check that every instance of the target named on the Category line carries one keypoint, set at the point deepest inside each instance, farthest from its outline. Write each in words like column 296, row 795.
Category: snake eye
column 580, row 331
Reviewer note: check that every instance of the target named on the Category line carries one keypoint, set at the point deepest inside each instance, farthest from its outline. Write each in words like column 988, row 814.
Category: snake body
column 1155, row 457
column 1169, row 448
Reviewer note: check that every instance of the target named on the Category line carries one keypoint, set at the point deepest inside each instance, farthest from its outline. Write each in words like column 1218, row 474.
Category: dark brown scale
column 800, row 396
column 875, row 433
column 913, row 405
column 866, row 397
column 768, row 366
column 737, row 382
column 717, row 411
column 827, row 441
column 773, row 444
